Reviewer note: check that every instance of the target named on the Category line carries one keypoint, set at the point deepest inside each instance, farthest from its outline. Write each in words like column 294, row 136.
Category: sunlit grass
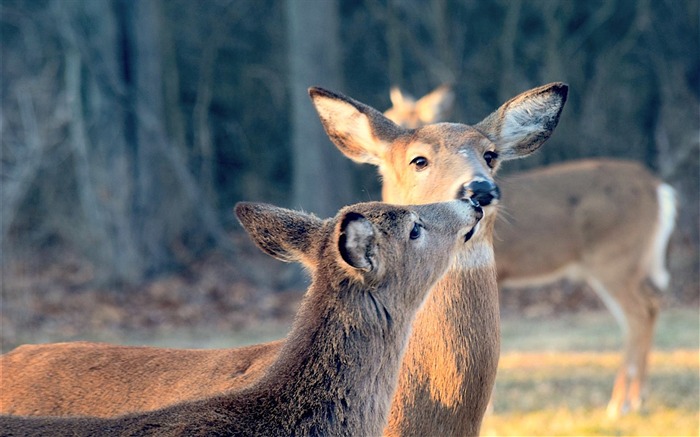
column 555, row 378
column 563, row 422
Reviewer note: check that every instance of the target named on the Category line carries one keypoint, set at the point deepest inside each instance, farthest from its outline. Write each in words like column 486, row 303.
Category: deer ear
column 435, row 106
column 522, row 124
column 282, row 233
column 362, row 133
column 356, row 242
column 398, row 98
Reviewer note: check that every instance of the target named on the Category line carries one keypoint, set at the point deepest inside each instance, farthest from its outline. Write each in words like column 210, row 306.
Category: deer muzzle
column 481, row 191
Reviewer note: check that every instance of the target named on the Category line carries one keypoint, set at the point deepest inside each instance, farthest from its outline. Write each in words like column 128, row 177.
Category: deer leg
column 619, row 300
column 641, row 310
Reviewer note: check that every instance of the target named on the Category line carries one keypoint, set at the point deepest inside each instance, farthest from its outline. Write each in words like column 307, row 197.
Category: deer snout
column 470, row 208
column 476, row 214
column 482, row 191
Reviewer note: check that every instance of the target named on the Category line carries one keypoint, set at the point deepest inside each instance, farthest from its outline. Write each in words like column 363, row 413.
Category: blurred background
column 129, row 129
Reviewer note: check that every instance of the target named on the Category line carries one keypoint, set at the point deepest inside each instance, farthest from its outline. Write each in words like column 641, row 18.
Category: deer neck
column 450, row 364
column 340, row 362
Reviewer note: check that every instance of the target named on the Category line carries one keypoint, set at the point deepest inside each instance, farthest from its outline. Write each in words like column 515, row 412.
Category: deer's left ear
column 356, row 242
column 282, row 233
column 399, row 99
column 522, row 124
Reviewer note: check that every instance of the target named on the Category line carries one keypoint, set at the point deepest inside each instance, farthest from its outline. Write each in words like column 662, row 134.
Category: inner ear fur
column 356, row 241
column 522, row 124
column 282, row 233
column 360, row 132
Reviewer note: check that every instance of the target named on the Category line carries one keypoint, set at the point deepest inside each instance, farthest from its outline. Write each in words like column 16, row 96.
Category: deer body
column 372, row 268
column 105, row 380
column 586, row 216
column 605, row 222
column 608, row 223
column 451, row 360
column 450, row 364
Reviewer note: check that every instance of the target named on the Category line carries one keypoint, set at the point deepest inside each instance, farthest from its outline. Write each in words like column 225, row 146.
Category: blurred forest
column 130, row 128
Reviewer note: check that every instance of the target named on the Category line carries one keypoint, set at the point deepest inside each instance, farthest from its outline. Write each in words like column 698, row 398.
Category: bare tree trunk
column 321, row 174
column 19, row 170
column 153, row 224
column 102, row 159
column 175, row 120
column 169, row 206
column 508, row 86
column 393, row 41
column 142, row 211
column 91, row 210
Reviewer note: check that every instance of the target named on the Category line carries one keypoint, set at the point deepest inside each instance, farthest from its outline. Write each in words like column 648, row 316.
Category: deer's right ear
column 282, row 233
column 361, row 132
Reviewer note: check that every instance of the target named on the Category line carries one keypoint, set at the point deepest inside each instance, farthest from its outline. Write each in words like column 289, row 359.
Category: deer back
column 372, row 268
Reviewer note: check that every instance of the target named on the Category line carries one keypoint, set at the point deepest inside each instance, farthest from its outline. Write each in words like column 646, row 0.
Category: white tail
column 450, row 364
column 667, row 199
column 373, row 265
column 606, row 222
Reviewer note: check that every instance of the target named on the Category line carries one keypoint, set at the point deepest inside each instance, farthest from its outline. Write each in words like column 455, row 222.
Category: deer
column 604, row 222
column 372, row 266
column 450, row 364
column 433, row 107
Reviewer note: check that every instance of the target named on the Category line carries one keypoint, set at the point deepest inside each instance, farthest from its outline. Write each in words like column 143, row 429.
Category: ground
column 560, row 348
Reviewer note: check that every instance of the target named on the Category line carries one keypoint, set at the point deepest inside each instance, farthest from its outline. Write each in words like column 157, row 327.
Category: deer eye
column 420, row 162
column 490, row 157
column 416, row 231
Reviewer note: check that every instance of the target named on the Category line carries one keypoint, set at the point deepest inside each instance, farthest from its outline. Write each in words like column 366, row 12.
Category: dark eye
column 416, row 231
column 490, row 157
column 420, row 162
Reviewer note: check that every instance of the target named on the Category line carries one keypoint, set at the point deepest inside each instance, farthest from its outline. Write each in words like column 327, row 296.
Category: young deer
column 450, row 365
column 372, row 267
column 601, row 221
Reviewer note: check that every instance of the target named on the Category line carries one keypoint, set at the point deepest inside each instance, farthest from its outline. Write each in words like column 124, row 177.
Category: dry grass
column 549, row 389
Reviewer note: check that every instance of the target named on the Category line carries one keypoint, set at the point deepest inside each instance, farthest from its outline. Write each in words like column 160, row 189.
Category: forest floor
column 560, row 348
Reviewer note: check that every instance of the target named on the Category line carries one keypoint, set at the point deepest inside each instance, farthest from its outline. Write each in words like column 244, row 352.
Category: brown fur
column 450, row 364
column 462, row 316
column 597, row 221
column 337, row 371
column 104, row 380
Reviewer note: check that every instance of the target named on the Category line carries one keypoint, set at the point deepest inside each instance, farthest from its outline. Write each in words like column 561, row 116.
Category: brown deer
column 450, row 364
column 601, row 221
column 372, row 267
column 433, row 107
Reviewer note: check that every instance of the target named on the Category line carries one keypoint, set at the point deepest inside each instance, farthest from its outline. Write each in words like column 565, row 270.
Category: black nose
column 483, row 192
